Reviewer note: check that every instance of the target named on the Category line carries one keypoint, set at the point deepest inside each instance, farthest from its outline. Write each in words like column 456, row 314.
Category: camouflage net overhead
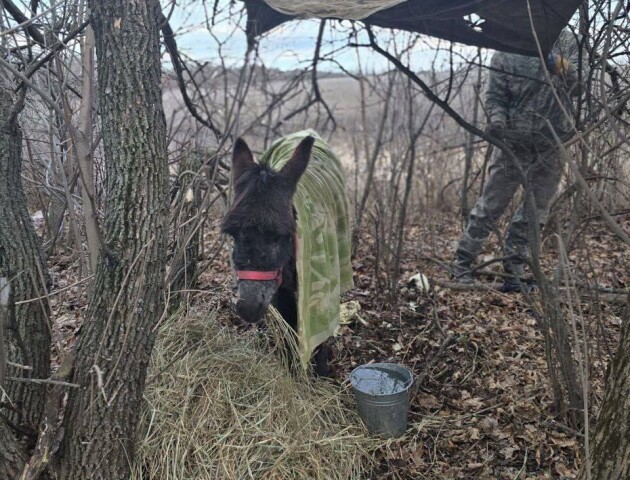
column 347, row 9
column 502, row 25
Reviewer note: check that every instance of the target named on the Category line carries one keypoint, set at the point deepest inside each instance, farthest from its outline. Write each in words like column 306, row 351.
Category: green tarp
column 323, row 264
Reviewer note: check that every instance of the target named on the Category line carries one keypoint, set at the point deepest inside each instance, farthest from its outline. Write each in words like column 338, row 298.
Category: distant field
column 439, row 156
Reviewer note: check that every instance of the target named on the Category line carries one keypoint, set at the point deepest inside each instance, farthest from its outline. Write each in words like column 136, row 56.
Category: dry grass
column 221, row 406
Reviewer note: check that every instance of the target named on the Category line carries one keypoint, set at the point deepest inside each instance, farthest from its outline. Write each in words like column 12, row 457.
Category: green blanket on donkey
column 323, row 261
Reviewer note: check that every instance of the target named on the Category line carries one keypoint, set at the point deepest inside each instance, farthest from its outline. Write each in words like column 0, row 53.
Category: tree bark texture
column 186, row 219
column 84, row 152
column 12, row 456
column 610, row 450
column 126, row 302
column 22, row 263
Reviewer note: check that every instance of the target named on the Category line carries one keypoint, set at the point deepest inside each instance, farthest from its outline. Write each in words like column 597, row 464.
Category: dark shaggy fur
column 262, row 222
column 263, row 200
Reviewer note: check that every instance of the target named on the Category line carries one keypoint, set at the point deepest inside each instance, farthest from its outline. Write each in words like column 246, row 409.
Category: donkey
column 262, row 222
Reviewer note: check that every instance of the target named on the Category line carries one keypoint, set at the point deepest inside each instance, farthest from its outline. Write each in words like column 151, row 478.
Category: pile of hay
column 221, row 406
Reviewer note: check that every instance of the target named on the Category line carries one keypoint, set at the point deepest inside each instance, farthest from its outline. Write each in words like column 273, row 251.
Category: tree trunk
column 84, row 152
column 22, row 263
column 126, row 302
column 187, row 219
column 371, row 166
column 469, row 146
column 610, row 451
column 12, row 457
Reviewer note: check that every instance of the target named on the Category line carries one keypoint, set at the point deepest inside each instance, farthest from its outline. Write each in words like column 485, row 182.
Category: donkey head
column 262, row 223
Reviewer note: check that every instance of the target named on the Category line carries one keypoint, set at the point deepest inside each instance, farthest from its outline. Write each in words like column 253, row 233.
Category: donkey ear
column 295, row 167
column 242, row 158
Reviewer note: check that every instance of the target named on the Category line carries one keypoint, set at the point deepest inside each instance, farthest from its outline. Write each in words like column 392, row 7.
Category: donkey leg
column 321, row 361
column 286, row 305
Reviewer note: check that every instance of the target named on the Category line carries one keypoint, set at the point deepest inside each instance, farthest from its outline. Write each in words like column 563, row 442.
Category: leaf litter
column 484, row 408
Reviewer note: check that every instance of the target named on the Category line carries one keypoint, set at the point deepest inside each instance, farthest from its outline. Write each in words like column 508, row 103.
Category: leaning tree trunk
column 115, row 343
column 610, row 446
column 26, row 326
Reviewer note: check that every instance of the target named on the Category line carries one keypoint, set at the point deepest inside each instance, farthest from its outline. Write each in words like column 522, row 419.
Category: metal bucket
column 382, row 393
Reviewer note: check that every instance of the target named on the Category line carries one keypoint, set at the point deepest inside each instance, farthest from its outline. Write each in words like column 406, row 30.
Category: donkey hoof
column 321, row 359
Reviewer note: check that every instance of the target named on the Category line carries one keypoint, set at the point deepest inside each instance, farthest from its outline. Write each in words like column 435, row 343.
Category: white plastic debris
column 421, row 282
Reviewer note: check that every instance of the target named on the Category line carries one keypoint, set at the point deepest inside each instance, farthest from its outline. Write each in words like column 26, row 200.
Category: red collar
column 258, row 275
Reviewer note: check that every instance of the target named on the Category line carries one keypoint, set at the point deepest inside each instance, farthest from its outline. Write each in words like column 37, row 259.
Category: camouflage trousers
column 538, row 171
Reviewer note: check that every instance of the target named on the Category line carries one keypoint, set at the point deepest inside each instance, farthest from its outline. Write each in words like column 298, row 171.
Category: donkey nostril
column 248, row 311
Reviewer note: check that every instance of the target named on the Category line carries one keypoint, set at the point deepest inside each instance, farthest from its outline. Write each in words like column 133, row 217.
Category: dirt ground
column 484, row 407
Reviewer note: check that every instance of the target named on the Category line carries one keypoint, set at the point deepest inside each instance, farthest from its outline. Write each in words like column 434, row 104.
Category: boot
column 516, row 283
column 512, row 285
column 460, row 268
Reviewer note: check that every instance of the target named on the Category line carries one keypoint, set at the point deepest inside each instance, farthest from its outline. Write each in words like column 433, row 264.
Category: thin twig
column 26, row 23
column 171, row 46
column 56, row 292
column 445, row 343
column 43, row 381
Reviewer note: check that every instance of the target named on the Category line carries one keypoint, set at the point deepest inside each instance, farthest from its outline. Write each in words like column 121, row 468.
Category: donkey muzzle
column 250, row 312
column 254, row 296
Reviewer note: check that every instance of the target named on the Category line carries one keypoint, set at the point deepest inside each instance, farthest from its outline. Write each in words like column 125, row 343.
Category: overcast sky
column 290, row 45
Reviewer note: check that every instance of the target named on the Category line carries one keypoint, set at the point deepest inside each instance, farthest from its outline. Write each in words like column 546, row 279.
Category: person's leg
column 543, row 177
column 503, row 180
